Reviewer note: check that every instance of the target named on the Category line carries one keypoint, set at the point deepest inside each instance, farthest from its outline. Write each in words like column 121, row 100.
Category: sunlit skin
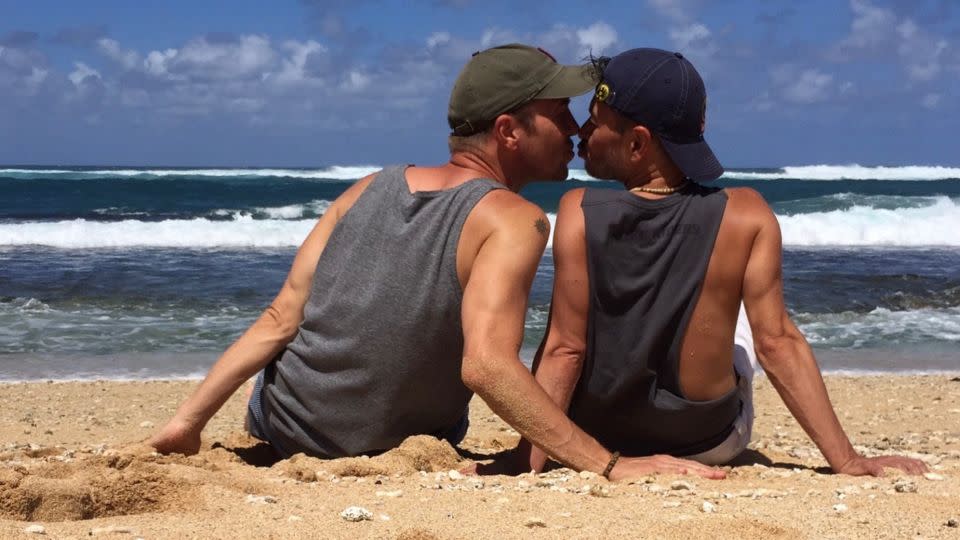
column 745, row 266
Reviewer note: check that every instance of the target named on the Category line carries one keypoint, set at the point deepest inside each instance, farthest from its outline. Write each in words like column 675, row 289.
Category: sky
column 307, row 83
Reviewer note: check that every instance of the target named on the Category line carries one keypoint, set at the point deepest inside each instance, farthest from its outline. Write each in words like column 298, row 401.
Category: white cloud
column 931, row 101
column 248, row 56
column 686, row 37
column 81, row 73
column 871, row 25
column 879, row 32
column 112, row 50
column 921, row 52
column 355, row 81
column 156, row 62
column 596, row 38
column 803, row 86
column 677, row 10
column 438, row 38
column 293, row 69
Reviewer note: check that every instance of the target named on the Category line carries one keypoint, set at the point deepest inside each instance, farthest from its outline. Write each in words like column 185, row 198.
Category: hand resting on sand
column 515, row 462
column 874, row 466
column 176, row 438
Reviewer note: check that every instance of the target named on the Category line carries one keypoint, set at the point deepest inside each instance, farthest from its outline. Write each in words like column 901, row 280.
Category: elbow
column 284, row 325
column 475, row 374
column 776, row 352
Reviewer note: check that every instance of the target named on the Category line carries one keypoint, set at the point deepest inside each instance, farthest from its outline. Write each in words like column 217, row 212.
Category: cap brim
column 696, row 159
column 570, row 81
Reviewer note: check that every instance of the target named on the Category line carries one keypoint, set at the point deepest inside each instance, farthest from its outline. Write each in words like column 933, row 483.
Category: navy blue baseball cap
column 662, row 91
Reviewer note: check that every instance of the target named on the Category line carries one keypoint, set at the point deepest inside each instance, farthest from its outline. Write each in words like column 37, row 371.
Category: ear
column 640, row 141
column 506, row 131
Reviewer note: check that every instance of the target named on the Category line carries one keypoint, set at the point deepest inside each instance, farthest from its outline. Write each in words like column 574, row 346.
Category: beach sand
column 67, row 468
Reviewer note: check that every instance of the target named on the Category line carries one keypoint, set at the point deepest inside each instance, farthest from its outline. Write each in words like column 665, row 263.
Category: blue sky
column 316, row 83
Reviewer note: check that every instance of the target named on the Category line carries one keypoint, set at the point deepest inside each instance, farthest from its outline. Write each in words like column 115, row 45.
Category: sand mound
column 418, row 453
column 94, row 488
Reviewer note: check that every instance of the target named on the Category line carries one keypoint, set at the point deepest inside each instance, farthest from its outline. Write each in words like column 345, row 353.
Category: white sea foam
column 581, row 174
column 934, row 225
column 312, row 209
column 241, row 232
column 880, row 326
column 295, row 211
column 850, row 172
column 337, row 172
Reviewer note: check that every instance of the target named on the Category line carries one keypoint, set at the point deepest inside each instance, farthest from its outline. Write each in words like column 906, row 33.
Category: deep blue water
column 149, row 272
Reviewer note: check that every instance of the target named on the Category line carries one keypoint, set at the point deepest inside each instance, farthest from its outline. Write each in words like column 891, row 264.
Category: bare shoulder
column 572, row 198
column 346, row 199
column 749, row 208
column 504, row 210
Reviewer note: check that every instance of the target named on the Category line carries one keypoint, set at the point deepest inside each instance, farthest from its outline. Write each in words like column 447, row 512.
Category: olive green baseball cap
column 500, row 79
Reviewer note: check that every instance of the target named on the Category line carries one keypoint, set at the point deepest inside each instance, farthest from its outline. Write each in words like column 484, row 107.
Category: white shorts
column 745, row 364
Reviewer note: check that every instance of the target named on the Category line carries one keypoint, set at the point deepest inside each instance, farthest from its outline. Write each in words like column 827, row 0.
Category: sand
column 70, row 468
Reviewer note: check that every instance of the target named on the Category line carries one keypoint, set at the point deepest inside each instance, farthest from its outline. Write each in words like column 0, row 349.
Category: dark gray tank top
column 646, row 261
column 378, row 355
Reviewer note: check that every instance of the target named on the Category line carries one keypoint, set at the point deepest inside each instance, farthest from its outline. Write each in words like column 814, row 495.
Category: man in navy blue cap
column 644, row 349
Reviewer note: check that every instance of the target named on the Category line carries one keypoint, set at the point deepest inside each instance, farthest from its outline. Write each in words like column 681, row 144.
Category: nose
column 569, row 124
column 586, row 130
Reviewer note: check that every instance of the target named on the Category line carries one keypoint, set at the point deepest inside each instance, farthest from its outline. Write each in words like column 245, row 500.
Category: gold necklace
column 661, row 191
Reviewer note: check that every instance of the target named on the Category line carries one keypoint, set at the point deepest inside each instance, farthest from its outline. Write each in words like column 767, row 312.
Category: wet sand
column 68, row 468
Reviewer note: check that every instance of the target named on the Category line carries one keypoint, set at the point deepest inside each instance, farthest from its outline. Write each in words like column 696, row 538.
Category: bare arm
column 560, row 359
column 786, row 356
column 559, row 362
column 494, row 306
column 268, row 335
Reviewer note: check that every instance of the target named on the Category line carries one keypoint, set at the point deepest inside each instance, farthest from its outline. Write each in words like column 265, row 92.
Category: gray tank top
column 378, row 355
column 646, row 261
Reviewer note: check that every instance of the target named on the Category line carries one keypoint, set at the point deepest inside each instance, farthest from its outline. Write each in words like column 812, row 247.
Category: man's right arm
column 268, row 335
column 494, row 306
column 786, row 356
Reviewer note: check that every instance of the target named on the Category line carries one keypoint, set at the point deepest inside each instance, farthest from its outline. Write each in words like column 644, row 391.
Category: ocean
column 126, row 273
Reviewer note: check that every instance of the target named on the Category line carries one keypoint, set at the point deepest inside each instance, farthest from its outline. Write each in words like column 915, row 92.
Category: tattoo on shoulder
column 542, row 226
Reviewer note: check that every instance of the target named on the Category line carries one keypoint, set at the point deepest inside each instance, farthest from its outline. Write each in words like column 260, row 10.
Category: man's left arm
column 559, row 361
column 786, row 356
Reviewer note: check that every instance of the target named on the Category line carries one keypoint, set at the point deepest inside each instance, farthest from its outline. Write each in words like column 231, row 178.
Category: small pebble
column 953, row 523
column 261, row 499
column 112, row 529
column 356, row 513
column 146, row 424
column 533, row 522
column 391, row 494
column 35, row 529
column 671, row 504
column 293, row 518
column 455, row 475
column 933, row 476
column 682, row 485
column 588, row 475
column 708, row 507
column 904, row 486
column 840, row 508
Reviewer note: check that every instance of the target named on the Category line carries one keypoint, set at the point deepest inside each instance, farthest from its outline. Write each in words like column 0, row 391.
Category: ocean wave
column 880, row 327
column 336, row 172
column 934, row 225
column 240, row 232
column 312, row 209
column 849, row 172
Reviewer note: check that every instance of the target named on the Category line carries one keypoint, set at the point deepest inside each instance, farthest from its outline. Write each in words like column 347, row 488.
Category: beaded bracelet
column 613, row 461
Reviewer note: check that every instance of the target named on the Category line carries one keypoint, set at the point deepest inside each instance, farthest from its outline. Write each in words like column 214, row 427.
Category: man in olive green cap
column 410, row 293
